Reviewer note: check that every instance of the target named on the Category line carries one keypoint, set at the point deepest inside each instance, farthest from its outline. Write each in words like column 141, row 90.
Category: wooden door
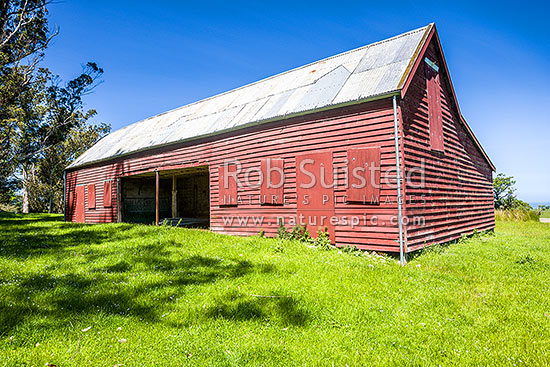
column 80, row 204
column 315, row 192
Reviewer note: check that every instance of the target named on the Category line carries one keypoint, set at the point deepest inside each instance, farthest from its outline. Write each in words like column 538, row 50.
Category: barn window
column 227, row 185
column 91, row 196
column 363, row 175
column 107, row 194
column 272, row 184
column 435, row 115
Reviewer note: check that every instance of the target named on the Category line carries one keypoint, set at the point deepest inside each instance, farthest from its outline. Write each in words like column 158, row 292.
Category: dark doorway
column 184, row 198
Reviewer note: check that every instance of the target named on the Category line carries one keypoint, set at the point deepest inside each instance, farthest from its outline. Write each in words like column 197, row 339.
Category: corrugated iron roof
column 353, row 76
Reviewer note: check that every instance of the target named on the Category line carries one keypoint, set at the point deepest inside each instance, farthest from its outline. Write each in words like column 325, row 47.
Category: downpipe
column 398, row 173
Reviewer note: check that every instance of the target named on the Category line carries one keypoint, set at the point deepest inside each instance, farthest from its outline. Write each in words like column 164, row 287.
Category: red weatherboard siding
column 458, row 180
column 366, row 125
column 99, row 214
column 458, row 192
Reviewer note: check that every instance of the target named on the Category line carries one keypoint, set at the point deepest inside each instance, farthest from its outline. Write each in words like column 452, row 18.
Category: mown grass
column 132, row 295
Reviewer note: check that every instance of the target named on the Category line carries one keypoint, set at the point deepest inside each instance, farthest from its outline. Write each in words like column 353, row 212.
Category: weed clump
column 298, row 233
column 301, row 233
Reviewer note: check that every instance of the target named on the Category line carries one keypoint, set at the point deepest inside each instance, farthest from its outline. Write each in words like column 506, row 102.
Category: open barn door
column 183, row 197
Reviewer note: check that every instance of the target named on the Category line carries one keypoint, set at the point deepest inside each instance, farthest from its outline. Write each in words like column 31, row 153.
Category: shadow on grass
column 272, row 308
column 106, row 290
column 12, row 218
column 91, row 281
column 19, row 239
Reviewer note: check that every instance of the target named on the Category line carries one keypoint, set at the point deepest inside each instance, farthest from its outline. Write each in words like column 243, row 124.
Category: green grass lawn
column 132, row 295
column 545, row 214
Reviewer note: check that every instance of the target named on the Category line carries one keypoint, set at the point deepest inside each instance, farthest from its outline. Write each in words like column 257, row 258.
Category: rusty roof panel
column 349, row 77
column 322, row 92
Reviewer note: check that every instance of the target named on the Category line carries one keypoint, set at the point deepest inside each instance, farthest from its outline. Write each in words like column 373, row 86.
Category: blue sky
column 162, row 55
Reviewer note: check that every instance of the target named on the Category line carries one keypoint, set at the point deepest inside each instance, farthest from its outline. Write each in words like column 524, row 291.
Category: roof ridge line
column 282, row 73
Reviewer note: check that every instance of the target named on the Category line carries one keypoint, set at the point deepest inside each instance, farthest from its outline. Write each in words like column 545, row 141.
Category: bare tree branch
column 16, row 30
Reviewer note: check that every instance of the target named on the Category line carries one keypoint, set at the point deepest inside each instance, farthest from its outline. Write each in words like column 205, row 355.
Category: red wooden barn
column 319, row 145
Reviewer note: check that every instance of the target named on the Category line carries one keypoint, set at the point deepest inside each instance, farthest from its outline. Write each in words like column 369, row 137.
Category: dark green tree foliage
column 46, row 190
column 39, row 114
column 24, row 34
column 48, row 116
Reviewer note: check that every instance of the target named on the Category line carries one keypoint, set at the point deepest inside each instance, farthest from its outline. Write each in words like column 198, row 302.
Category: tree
column 47, row 113
column 24, row 35
column 37, row 113
column 46, row 190
column 505, row 193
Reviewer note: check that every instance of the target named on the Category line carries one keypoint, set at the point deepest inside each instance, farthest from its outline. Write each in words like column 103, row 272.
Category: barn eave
column 235, row 129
